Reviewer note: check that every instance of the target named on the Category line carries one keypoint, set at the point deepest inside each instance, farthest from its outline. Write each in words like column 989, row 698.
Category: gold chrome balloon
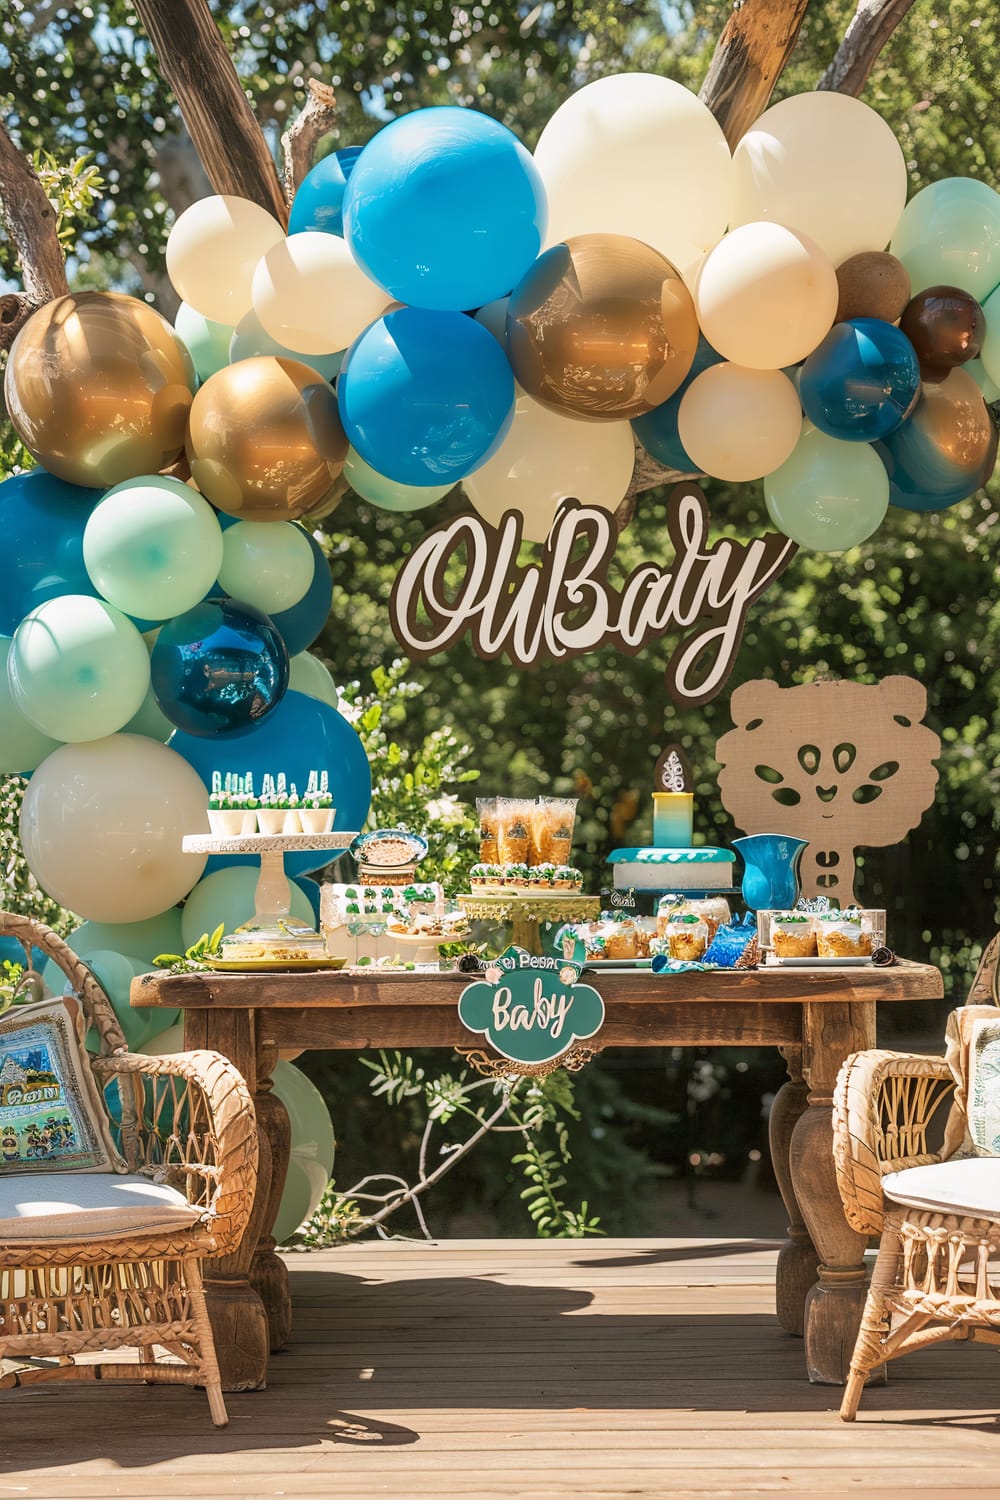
column 99, row 387
column 265, row 441
column 601, row 326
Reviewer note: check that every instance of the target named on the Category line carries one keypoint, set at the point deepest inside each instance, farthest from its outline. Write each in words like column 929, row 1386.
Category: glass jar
column 687, row 936
column 840, row 934
column 793, row 934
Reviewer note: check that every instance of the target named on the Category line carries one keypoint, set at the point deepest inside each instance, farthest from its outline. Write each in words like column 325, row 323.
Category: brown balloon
column 873, row 284
column 265, row 440
column 946, row 327
column 602, row 326
column 99, row 387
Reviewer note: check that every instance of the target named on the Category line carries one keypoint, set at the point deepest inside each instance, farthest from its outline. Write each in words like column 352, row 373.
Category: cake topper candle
column 673, row 801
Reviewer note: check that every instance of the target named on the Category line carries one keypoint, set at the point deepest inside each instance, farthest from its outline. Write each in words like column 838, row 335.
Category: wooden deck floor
column 493, row 1370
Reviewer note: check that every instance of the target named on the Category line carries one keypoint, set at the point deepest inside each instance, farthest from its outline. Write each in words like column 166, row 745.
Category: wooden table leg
column 236, row 1312
column 797, row 1259
column 834, row 1305
column 268, row 1272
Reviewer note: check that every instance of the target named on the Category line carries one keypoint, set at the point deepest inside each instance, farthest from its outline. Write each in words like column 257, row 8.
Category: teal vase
column 770, row 870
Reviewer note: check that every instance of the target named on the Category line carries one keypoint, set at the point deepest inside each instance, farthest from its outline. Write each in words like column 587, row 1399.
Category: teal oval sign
column 531, row 1008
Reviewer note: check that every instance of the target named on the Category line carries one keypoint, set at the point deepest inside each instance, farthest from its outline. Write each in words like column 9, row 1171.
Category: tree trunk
column 873, row 24
column 31, row 223
column 749, row 57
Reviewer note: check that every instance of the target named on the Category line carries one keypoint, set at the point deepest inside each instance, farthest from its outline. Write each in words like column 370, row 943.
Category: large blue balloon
column 218, row 668
column 425, row 397
column 445, row 209
column 42, row 521
column 301, row 735
column 861, row 382
column 657, row 429
column 945, row 451
column 319, row 198
column 301, row 624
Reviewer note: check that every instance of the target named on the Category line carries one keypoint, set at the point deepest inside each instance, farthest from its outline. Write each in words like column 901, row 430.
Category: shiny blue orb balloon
column 945, row 451
column 42, row 521
column 445, row 209
column 425, row 397
column 319, row 199
column 219, row 668
column 657, row 429
column 299, row 625
column 862, row 381
column 301, row 735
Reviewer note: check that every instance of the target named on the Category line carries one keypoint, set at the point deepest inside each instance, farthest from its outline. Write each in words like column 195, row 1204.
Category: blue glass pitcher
column 770, row 870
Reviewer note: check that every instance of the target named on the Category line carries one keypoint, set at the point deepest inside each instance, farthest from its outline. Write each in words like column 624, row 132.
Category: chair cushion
column 968, row 1186
column 52, row 1116
column 78, row 1206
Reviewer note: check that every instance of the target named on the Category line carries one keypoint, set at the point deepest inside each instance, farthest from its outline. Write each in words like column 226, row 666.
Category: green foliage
column 11, row 975
column 19, row 890
column 195, row 958
column 73, row 189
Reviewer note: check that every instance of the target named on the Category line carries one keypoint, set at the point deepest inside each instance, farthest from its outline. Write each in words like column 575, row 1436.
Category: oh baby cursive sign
column 464, row 576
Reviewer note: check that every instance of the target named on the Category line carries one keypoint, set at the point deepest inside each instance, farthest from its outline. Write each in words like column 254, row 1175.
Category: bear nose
column 826, row 793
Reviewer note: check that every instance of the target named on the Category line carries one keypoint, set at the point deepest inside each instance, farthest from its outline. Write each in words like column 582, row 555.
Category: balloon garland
column 739, row 313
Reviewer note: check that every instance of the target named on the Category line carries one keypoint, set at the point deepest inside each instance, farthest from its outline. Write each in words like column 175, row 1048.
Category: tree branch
column 873, row 23
column 213, row 103
column 749, row 57
column 317, row 117
column 30, row 221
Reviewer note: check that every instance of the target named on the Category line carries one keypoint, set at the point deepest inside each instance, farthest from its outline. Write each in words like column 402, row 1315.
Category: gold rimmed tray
column 271, row 965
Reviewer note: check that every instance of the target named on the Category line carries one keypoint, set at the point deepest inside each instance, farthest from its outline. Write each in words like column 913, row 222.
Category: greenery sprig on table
column 195, row 958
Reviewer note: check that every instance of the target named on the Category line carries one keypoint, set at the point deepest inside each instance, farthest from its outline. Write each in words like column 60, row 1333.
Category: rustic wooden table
column 815, row 1016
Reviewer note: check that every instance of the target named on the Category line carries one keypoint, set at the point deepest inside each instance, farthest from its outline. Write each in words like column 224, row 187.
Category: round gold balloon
column 265, row 441
column 602, row 326
column 99, row 387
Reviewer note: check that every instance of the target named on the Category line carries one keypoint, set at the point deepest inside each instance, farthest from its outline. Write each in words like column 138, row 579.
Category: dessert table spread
column 815, row 1016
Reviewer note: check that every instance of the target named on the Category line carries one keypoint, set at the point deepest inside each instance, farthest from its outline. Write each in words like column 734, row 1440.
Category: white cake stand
column 273, row 896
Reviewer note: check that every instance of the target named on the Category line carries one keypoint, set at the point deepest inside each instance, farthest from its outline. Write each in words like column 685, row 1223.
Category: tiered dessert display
column 524, row 876
column 388, row 910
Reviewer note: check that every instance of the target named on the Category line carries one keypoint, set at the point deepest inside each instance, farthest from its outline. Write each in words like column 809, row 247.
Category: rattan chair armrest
column 231, row 1135
column 883, row 1104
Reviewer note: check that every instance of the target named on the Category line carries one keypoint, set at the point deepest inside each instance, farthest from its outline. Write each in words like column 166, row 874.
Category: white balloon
column 547, row 457
column 102, row 824
column 736, row 423
column 213, row 251
column 312, row 296
column 766, row 296
column 639, row 155
column 825, row 164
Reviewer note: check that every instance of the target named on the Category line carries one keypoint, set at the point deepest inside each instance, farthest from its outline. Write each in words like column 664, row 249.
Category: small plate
column 365, row 843
column 271, row 965
column 862, row 961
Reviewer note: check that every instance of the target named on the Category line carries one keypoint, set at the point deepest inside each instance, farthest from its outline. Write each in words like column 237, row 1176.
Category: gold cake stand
column 526, row 911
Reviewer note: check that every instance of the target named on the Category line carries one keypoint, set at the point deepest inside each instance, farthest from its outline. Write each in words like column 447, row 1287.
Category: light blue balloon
column 250, row 338
column 657, row 429
column 425, row 397
column 445, row 209
column 312, row 1148
column 949, row 235
column 22, row 746
column 387, row 494
column 206, row 341
column 226, row 898
column 308, row 675
column 319, row 198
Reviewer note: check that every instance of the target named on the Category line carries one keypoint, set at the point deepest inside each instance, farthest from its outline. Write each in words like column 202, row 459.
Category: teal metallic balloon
column 387, row 493
column 266, row 563
column 829, row 495
column 308, row 675
column 22, row 746
column 949, row 235
column 250, row 338
column 78, row 669
column 226, row 899
column 153, row 547
column 207, row 342
column 312, row 1151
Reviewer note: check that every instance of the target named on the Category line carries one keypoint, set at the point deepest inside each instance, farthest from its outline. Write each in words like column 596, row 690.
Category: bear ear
column 753, row 700
column 904, row 697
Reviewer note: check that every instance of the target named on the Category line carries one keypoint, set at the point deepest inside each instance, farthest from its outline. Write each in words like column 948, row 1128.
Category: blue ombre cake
column 671, row 863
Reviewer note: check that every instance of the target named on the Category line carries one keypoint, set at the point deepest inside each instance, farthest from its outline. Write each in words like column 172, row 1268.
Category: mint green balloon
column 153, row 547
column 266, row 563
column 207, row 342
column 22, row 746
column 828, row 495
column 150, row 721
column 226, row 898
column 146, row 939
column 308, row 675
column 949, row 235
column 312, row 1152
column 986, row 369
column 78, row 669
column 250, row 338
column 386, row 493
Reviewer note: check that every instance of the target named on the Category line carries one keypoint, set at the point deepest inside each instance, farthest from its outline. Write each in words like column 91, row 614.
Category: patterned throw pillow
column 51, row 1116
column 983, row 1105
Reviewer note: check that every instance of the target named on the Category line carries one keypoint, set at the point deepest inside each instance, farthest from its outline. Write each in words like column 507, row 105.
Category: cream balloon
column 213, row 251
column 311, row 295
column 546, row 458
column 766, row 296
column 629, row 129
column 736, row 423
column 102, row 824
column 825, row 164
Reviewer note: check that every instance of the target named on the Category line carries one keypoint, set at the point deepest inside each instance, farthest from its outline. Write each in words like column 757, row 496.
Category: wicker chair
column 935, row 1209
column 184, row 1120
